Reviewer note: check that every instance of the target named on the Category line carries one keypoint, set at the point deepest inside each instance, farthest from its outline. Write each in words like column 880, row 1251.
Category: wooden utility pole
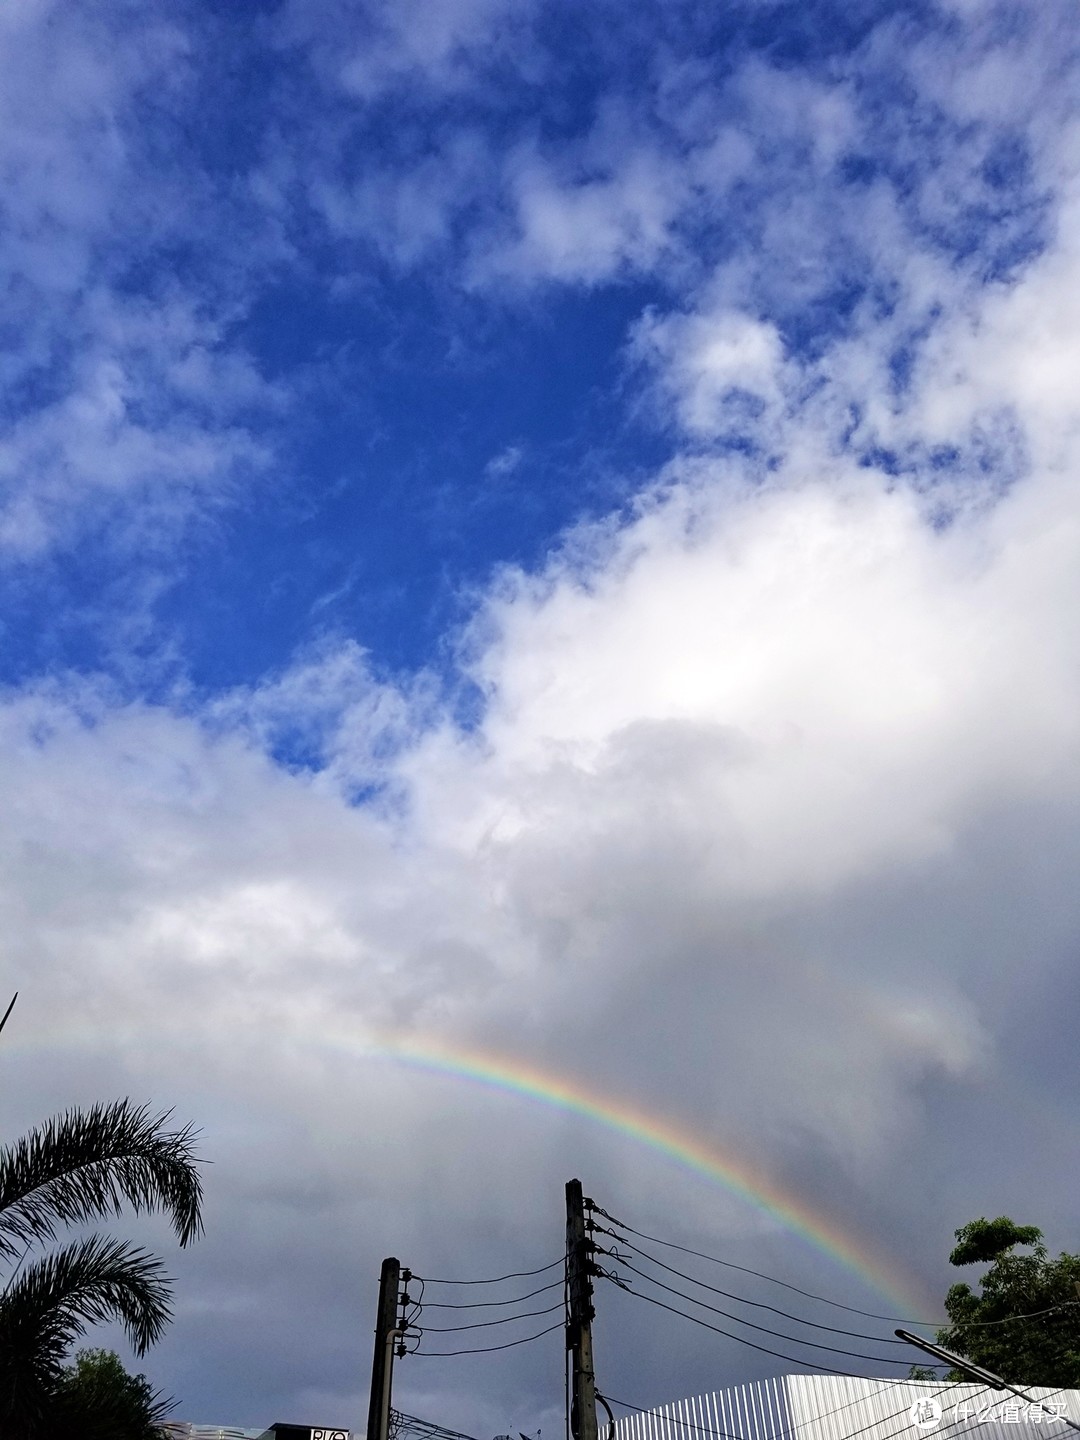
column 382, row 1365
column 579, row 1331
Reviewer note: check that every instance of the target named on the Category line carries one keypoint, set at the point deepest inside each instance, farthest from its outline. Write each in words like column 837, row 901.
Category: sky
column 540, row 621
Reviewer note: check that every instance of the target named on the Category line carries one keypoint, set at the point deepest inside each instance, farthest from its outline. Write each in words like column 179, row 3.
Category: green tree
column 79, row 1167
column 96, row 1399
column 1042, row 1347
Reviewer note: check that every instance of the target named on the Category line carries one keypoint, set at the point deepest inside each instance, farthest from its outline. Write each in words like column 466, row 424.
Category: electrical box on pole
column 382, row 1364
column 579, row 1251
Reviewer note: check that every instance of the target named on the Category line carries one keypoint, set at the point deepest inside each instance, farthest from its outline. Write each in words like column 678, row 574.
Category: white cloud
column 772, row 817
column 406, row 212
column 146, row 433
column 723, row 373
column 370, row 49
column 503, row 465
column 1016, row 352
column 72, row 82
column 583, row 228
column 127, row 411
column 757, row 707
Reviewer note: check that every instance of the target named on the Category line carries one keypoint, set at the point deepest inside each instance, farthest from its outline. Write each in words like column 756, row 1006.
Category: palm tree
column 81, row 1166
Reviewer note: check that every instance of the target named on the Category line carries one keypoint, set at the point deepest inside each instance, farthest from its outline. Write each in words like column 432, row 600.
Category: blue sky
column 413, row 293
column 549, row 528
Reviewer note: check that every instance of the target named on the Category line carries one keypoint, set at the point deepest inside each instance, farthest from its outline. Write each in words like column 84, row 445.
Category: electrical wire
column 673, row 1423
column 413, row 1425
column 409, row 1322
column 417, row 1304
column 896, row 1434
column 739, row 1339
column 503, row 1320
column 792, row 1429
column 903, row 1431
column 1005, row 1319
column 485, row 1304
column 778, row 1334
column 676, row 1423
column 904, row 1410
column 742, row 1300
column 746, row 1270
column 514, row 1275
column 870, row 1314
column 486, row 1349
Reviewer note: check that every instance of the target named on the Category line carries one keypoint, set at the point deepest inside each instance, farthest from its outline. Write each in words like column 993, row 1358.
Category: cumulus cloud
column 127, row 402
column 149, row 412
column 731, row 794
column 724, row 373
column 613, row 216
column 754, row 708
column 72, row 83
column 367, row 50
column 768, row 818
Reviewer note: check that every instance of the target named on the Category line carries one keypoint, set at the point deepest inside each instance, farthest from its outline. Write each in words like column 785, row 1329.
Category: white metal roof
column 837, row 1407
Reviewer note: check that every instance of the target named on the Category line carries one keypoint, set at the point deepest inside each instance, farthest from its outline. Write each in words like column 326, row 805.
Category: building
column 184, row 1430
column 839, row 1407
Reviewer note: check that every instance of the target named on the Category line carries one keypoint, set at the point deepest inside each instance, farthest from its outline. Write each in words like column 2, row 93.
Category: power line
column 739, row 1339
column 765, row 1329
column 482, row 1304
column 904, row 1410
column 417, row 1304
column 400, row 1423
column 514, row 1275
column 802, row 1424
column 824, row 1300
column 727, row 1435
column 1005, row 1319
column 720, row 1435
column 746, row 1270
column 503, row 1320
column 485, row 1349
column 742, row 1300
column 958, row 1421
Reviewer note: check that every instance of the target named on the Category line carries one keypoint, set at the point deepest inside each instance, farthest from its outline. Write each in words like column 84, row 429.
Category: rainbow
column 706, row 1160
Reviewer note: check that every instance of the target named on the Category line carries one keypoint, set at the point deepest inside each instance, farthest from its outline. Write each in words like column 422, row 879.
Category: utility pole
column 382, row 1365
column 578, row 1331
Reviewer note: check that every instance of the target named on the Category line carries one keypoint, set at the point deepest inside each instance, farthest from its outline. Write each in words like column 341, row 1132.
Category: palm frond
column 52, row 1302
column 86, row 1164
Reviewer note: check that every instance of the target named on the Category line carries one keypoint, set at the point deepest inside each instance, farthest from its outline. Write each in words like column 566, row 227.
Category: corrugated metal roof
column 186, row 1430
column 838, row 1407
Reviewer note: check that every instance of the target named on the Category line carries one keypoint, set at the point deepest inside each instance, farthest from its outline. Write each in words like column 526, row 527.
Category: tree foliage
column 79, row 1167
column 96, row 1399
column 1024, row 1322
